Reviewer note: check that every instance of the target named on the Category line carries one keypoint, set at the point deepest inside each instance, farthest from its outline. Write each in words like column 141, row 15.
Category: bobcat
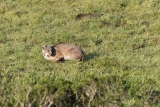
column 62, row 52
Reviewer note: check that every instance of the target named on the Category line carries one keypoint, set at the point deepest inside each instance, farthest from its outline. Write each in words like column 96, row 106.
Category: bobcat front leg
column 58, row 57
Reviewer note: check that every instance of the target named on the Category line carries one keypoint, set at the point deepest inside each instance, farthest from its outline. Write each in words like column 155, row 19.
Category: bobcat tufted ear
column 56, row 48
column 43, row 47
column 53, row 50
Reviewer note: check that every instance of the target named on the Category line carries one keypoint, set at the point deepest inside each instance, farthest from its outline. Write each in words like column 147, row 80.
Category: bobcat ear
column 56, row 48
column 43, row 47
column 53, row 51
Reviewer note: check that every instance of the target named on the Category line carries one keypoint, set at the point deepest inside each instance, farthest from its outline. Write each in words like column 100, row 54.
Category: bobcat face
column 48, row 52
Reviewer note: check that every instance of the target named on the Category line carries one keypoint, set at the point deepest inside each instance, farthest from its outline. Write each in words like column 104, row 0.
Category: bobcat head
column 48, row 51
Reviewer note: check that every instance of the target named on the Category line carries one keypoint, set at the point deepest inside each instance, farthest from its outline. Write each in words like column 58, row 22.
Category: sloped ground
column 121, row 41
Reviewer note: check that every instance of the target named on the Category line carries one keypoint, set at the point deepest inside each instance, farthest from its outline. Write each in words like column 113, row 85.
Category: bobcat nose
column 47, row 55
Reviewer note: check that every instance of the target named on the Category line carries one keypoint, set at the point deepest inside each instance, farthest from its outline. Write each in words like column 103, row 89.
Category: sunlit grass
column 120, row 38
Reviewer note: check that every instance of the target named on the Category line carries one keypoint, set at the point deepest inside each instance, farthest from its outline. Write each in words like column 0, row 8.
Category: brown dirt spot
column 82, row 15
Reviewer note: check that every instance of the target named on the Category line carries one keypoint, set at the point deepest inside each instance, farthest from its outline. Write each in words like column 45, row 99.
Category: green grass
column 121, row 67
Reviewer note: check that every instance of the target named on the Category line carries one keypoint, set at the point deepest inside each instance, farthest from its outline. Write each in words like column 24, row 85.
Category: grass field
column 121, row 39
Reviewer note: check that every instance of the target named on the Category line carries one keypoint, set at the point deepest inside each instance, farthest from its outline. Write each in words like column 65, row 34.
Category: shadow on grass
column 91, row 56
